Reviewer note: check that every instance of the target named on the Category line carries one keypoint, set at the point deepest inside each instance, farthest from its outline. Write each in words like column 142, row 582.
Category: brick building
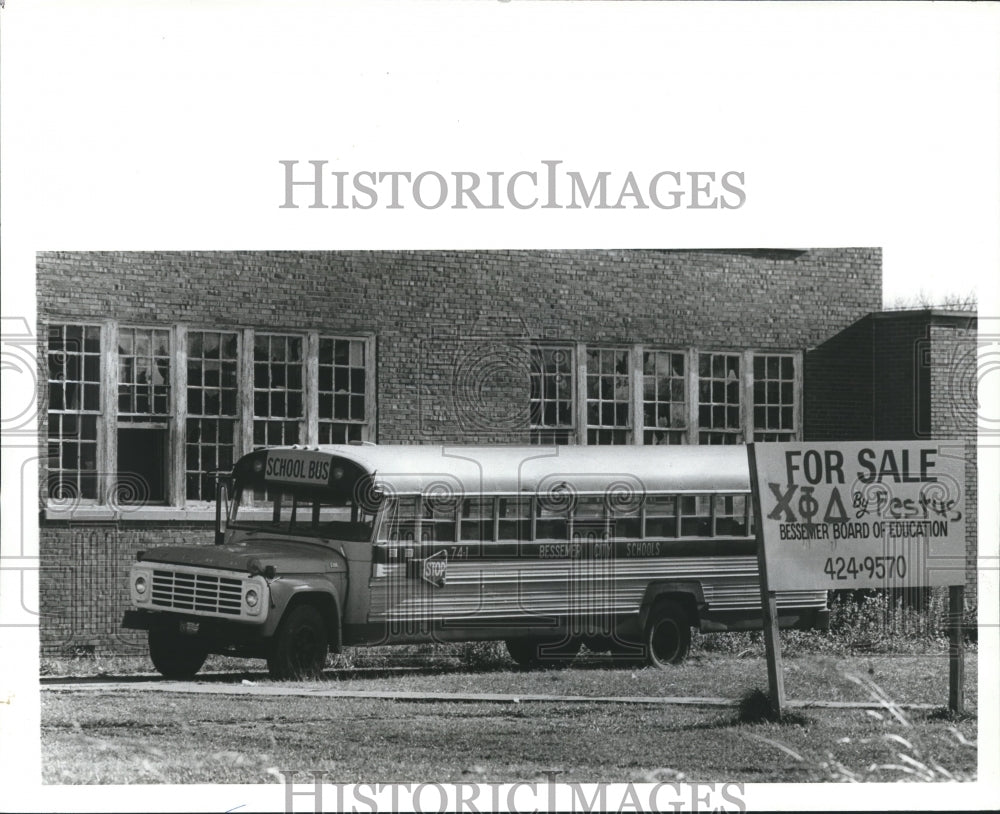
column 156, row 368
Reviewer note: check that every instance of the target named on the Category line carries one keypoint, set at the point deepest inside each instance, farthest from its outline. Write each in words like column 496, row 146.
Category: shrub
column 875, row 622
column 483, row 655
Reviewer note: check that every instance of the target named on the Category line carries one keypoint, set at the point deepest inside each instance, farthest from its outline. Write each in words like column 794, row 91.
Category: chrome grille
column 197, row 592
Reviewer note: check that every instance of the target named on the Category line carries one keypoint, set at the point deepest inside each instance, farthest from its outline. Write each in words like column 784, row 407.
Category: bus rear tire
column 668, row 635
column 300, row 646
column 530, row 652
column 173, row 655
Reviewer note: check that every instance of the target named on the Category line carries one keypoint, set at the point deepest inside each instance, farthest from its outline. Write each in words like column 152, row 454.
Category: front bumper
column 217, row 635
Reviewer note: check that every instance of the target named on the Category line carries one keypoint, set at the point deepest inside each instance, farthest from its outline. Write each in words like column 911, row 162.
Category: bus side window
column 438, row 524
column 477, row 519
column 588, row 508
column 696, row 516
column 552, row 521
column 590, row 520
column 661, row 516
column 731, row 515
column 626, row 523
column 515, row 519
column 388, row 531
column 401, row 521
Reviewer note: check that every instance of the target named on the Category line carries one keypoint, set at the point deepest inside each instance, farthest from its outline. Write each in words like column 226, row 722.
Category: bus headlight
column 254, row 595
column 141, row 583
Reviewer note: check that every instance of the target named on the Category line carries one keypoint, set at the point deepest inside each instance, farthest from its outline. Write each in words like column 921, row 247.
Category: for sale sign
column 879, row 514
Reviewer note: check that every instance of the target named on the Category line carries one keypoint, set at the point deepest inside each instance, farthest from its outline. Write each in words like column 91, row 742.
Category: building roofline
column 933, row 313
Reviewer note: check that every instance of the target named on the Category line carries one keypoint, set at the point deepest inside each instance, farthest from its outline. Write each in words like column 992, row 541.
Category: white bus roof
column 415, row 468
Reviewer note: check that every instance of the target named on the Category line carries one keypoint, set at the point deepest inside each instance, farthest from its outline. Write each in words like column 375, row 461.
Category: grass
column 120, row 737
column 875, row 650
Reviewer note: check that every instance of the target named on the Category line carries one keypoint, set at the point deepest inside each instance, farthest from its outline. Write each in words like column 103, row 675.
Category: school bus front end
column 274, row 585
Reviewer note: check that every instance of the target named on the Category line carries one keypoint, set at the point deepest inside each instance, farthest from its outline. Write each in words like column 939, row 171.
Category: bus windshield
column 301, row 512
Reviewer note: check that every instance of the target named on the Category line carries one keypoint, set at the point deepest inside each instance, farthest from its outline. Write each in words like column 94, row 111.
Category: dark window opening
column 142, row 459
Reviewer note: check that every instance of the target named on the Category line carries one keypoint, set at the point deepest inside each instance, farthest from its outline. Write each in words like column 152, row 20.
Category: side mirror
column 222, row 485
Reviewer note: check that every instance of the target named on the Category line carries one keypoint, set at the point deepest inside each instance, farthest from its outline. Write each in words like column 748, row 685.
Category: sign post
column 860, row 515
column 956, row 649
column 768, row 602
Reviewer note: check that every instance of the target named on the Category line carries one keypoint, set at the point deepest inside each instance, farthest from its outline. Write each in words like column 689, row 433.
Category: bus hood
column 249, row 556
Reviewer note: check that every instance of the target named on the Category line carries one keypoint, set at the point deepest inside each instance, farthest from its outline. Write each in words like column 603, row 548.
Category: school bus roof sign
column 297, row 466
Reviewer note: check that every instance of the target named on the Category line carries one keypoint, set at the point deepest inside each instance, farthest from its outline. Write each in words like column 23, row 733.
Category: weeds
column 911, row 758
column 755, row 708
column 875, row 624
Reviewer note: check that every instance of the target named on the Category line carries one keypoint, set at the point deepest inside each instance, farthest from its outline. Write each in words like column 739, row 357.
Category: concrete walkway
column 251, row 688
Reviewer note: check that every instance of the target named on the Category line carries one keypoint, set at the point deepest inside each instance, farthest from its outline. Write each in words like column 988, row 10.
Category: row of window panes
column 74, row 361
column 342, row 380
column 608, row 396
column 525, row 519
column 664, row 386
column 72, row 451
column 143, row 372
column 551, row 394
column 212, row 362
column 773, row 397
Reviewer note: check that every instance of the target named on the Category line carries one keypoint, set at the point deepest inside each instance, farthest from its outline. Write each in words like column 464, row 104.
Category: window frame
column 177, row 505
column 303, row 420
column 631, row 375
column 693, row 429
column 366, row 423
column 80, row 413
column 685, row 377
column 237, row 418
column 541, row 434
column 795, row 381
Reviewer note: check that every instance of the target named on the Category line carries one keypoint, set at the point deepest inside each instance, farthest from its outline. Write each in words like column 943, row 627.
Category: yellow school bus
column 621, row 549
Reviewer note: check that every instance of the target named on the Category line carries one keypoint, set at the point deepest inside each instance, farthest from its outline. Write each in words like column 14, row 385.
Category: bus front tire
column 529, row 652
column 668, row 635
column 173, row 655
column 300, row 646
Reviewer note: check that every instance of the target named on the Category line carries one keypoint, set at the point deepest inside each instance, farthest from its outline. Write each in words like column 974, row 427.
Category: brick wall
column 452, row 327
column 451, row 331
column 83, row 589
